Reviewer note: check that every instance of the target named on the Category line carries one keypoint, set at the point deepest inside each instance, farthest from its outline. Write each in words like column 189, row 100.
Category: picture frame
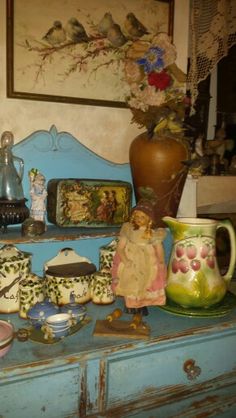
column 51, row 57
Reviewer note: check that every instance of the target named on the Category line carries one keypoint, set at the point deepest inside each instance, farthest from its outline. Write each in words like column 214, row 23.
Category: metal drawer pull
column 191, row 369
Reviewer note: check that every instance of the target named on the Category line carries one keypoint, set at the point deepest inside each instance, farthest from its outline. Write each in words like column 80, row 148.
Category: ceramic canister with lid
column 77, row 311
column 106, row 255
column 69, row 273
column 101, row 292
column 31, row 291
column 41, row 311
column 15, row 265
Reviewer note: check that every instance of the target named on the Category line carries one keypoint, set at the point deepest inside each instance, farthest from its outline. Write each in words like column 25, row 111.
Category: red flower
column 160, row 80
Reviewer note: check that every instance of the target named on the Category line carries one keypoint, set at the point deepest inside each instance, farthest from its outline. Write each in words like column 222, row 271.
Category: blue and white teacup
column 57, row 326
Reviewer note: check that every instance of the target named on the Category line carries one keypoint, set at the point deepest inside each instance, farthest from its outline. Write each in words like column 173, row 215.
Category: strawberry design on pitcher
column 193, row 278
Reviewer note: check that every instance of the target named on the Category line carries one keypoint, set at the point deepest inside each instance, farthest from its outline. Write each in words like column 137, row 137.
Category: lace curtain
column 212, row 33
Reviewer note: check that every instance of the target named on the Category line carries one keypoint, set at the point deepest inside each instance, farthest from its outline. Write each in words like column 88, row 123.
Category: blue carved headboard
column 60, row 155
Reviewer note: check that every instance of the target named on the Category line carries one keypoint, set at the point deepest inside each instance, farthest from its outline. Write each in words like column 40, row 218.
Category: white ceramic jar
column 101, row 291
column 106, row 255
column 15, row 265
column 68, row 274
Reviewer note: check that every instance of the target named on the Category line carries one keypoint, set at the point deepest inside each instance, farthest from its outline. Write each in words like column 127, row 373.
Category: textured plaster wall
column 105, row 130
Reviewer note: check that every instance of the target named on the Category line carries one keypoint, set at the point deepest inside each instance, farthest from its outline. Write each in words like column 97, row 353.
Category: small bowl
column 59, row 319
column 57, row 326
column 6, row 337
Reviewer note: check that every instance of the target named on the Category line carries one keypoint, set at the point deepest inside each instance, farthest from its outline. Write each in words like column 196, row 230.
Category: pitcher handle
column 227, row 224
column 21, row 167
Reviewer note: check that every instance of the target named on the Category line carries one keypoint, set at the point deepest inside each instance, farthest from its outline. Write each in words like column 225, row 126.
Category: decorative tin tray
column 91, row 203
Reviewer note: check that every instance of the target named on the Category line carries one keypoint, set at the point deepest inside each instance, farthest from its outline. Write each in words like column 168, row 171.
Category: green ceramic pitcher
column 193, row 278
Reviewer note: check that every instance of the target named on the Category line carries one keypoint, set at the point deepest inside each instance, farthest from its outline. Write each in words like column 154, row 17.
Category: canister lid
column 111, row 246
column 10, row 253
column 74, row 308
column 42, row 309
column 71, row 270
column 31, row 280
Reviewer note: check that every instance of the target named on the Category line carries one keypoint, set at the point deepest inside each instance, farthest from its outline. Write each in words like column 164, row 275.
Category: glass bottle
column 10, row 178
column 12, row 202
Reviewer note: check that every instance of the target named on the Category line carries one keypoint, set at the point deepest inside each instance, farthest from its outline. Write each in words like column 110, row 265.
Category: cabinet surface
column 92, row 376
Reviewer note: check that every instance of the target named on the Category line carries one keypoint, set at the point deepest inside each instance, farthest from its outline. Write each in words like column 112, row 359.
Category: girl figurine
column 139, row 271
column 38, row 194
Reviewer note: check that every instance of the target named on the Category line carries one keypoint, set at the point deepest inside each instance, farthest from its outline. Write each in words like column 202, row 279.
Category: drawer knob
column 191, row 369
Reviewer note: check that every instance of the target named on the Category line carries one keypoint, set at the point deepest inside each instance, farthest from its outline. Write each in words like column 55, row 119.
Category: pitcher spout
column 169, row 219
column 170, row 222
column 181, row 228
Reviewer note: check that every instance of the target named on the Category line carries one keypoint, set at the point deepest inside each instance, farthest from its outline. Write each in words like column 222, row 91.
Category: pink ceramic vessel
column 6, row 337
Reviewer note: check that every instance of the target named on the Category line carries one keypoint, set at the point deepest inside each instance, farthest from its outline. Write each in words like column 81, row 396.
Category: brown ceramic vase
column 158, row 172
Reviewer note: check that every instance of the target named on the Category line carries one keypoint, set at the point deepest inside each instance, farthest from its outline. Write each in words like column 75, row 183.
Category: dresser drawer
column 164, row 370
column 46, row 393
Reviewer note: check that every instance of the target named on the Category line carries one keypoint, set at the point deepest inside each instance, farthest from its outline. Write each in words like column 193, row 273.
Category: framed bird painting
column 73, row 51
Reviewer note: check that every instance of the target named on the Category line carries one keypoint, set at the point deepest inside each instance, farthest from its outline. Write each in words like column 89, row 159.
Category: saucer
column 38, row 336
column 220, row 309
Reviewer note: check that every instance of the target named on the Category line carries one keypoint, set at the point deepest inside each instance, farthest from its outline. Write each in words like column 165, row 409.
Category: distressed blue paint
column 44, row 395
column 147, row 366
column 93, row 385
column 35, row 374
column 60, row 155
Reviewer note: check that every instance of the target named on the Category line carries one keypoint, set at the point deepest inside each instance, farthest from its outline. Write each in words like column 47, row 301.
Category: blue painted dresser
column 187, row 368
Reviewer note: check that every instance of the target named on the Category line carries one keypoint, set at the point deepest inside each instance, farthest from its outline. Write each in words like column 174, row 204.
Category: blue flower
column 152, row 61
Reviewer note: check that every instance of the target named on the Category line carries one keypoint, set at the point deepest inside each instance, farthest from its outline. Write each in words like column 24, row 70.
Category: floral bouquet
column 157, row 97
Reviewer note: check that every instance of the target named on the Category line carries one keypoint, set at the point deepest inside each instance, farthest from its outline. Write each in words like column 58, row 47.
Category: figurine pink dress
column 139, row 271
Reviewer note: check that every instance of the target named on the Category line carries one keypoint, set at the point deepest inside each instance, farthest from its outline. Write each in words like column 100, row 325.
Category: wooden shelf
column 53, row 233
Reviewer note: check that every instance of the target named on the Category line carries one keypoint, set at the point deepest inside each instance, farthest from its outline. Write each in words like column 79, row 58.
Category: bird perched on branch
column 134, row 27
column 56, row 35
column 75, row 31
column 116, row 36
column 105, row 23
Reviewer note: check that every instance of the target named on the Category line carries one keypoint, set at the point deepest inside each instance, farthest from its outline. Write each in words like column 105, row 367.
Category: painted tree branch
column 6, row 289
column 79, row 60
